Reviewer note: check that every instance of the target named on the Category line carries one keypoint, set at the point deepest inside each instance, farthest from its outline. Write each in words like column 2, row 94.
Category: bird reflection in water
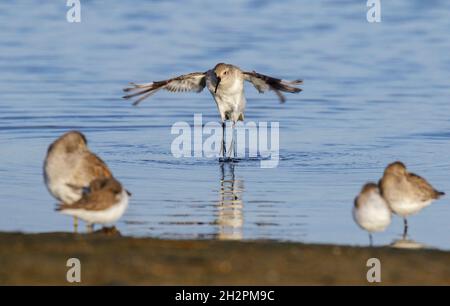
column 230, row 218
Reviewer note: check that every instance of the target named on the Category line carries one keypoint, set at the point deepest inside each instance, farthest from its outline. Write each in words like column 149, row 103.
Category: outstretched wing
column 189, row 82
column 264, row 83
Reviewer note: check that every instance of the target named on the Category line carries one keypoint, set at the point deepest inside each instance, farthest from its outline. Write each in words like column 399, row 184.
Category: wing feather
column 264, row 83
column 422, row 188
column 97, row 197
column 188, row 82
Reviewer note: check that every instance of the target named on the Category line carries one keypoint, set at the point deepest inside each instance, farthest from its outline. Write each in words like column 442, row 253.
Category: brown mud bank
column 40, row 259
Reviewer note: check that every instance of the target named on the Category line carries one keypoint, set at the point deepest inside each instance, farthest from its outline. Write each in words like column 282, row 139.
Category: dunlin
column 226, row 84
column 103, row 202
column 370, row 210
column 405, row 192
column 70, row 166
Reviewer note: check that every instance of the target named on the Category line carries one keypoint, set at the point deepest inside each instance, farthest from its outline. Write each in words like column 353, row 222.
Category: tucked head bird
column 405, row 192
column 370, row 210
column 70, row 166
column 226, row 84
column 103, row 202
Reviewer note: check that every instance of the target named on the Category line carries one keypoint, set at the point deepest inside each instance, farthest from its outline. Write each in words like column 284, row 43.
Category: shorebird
column 69, row 167
column 370, row 210
column 405, row 192
column 103, row 202
column 226, row 84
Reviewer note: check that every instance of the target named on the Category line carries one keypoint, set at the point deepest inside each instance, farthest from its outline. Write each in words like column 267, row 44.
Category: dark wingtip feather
column 143, row 93
column 127, row 97
column 280, row 96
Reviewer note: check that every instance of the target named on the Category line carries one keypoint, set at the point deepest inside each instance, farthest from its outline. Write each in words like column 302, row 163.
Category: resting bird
column 370, row 210
column 70, row 166
column 226, row 84
column 103, row 202
column 406, row 192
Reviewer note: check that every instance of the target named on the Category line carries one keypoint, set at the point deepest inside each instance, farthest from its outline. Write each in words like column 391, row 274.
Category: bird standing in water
column 226, row 84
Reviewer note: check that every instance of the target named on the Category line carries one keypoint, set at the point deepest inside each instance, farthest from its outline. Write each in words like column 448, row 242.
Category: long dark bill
column 217, row 84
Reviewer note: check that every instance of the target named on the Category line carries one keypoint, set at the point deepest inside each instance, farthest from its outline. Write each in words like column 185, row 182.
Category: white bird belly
column 230, row 100
column 230, row 107
column 407, row 207
column 374, row 216
column 58, row 177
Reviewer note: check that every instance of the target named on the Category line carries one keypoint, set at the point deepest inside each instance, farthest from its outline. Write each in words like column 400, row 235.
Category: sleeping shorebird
column 103, row 202
column 70, row 166
column 405, row 192
column 370, row 210
column 226, row 84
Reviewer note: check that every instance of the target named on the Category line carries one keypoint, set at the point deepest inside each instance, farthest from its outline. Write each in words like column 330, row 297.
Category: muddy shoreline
column 40, row 259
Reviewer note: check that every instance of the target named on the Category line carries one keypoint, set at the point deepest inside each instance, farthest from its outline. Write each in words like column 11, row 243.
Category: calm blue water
column 373, row 93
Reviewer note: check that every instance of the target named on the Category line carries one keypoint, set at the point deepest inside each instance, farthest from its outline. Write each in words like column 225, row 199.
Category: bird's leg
column 75, row 225
column 222, row 149
column 371, row 239
column 234, row 140
column 405, row 228
column 232, row 148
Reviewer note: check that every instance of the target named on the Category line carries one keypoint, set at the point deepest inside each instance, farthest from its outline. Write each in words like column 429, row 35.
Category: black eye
column 225, row 72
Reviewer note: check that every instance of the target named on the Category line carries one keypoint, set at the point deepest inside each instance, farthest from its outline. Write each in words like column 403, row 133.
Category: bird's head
column 396, row 168
column 224, row 74
column 370, row 187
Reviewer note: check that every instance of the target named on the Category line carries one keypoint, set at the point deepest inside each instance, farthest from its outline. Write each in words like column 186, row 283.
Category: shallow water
column 373, row 93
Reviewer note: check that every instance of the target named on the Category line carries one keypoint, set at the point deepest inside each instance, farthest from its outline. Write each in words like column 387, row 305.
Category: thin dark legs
column 75, row 225
column 233, row 143
column 224, row 151
column 370, row 239
column 405, row 228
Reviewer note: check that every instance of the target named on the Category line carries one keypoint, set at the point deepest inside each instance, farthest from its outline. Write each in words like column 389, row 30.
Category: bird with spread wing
column 226, row 84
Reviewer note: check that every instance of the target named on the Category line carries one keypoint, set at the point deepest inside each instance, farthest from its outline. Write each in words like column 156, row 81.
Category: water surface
column 373, row 93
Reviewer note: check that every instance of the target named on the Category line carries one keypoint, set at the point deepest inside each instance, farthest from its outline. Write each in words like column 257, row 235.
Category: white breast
column 230, row 100
column 374, row 215
column 406, row 207
column 58, row 176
